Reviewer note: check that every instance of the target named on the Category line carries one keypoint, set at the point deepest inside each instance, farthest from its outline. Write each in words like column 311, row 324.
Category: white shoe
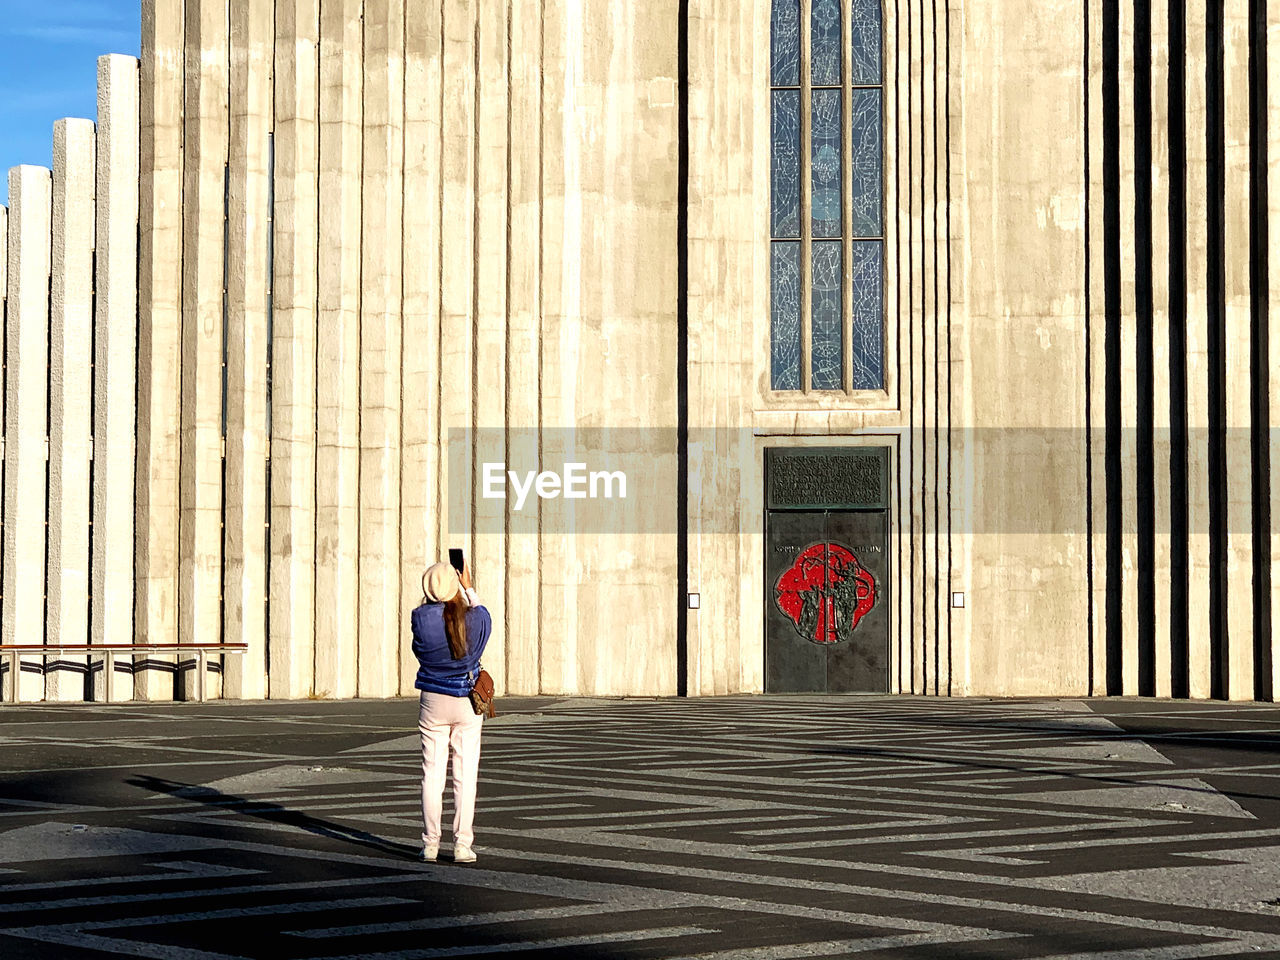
column 463, row 854
column 429, row 852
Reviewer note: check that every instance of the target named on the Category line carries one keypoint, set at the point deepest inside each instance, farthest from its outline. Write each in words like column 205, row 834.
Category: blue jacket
column 438, row 672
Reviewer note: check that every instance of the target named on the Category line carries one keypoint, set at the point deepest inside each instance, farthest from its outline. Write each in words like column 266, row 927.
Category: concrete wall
column 22, row 620
column 1180, row 392
column 1022, row 190
column 378, row 245
column 160, row 255
column 245, row 536
column 70, row 399
column 70, row 308
column 733, row 413
column 360, row 181
column 115, row 361
column 1080, row 313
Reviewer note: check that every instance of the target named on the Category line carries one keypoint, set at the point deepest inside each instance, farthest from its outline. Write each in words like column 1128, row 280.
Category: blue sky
column 49, row 53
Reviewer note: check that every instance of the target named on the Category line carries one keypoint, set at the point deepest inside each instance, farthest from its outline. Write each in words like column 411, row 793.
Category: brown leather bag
column 482, row 694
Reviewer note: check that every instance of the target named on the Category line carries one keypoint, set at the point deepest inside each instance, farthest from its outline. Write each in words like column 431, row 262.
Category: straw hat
column 440, row 583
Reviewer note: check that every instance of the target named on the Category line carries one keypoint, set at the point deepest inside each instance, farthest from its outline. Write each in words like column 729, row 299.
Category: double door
column 827, row 581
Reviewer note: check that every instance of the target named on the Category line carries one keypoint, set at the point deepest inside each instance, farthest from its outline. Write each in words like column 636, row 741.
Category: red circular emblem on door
column 825, row 592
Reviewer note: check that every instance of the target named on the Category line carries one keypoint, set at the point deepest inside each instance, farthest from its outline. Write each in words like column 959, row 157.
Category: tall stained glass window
column 826, row 196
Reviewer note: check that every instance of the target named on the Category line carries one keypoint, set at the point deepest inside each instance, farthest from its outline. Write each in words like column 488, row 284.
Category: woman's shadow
column 273, row 813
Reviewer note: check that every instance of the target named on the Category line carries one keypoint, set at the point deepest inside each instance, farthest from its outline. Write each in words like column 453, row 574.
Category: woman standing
column 450, row 631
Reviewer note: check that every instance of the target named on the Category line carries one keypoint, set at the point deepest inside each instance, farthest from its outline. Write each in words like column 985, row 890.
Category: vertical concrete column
column 1197, row 354
column 1239, row 355
column 380, row 349
column 905, row 39
column 293, row 351
column 115, row 345
column 960, row 367
column 1096, row 346
column 561, row 317
column 26, row 355
column 1128, row 360
column 722, row 54
column 523, row 328
column 928, row 338
column 710, row 147
column 616, row 299
column 634, row 293
column 489, row 554
column 916, row 447
column 1045, row 284
column 745, row 634
column 420, row 357
column 204, row 237
column 70, row 400
column 947, row 228
column 337, row 595
column 935, row 338
column 1160, row 348
column 941, row 265
column 913, row 386
column 457, row 255
column 160, row 257
column 248, row 280
column 1273, row 318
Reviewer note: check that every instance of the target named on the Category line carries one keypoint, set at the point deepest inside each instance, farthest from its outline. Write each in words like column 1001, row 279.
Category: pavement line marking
column 823, row 948
column 131, row 948
column 658, row 898
column 632, row 936
column 996, row 906
column 201, row 894
column 601, row 891
column 203, row 871
column 1121, row 823
column 1181, row 952
column 81, row 935
column 470, row 920
column 778, row 797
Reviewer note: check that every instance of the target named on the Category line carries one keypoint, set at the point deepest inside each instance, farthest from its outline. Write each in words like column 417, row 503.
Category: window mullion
column 846, row 194
column 806, row 197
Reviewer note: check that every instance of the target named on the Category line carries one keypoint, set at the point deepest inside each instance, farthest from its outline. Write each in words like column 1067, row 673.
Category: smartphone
column 455, row 559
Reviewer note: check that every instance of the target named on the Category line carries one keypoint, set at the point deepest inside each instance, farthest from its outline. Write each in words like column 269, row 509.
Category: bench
column 109, row 651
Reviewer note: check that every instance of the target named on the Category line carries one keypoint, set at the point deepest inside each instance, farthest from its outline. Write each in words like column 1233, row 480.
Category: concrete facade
column 70, row 397
column 26, row 383
column 294, row 285
column 115, row 346
column 204, row 243
column 382, row 244
column 337, row 622
column 245, row 535
column 160, row 253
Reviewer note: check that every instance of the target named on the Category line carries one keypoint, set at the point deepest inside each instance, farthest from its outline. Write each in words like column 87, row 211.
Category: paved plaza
column 744, row 828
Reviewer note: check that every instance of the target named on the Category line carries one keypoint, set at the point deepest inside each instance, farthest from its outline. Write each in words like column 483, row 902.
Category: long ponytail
column 455, row 626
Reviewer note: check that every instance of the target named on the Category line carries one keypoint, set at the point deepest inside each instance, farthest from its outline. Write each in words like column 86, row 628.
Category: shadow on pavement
column 1161, row 735
column 1053, row 767
column 275, row 813
column 465, row 938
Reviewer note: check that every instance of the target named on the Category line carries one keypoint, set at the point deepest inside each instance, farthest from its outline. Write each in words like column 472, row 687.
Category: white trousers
column 450, row 728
